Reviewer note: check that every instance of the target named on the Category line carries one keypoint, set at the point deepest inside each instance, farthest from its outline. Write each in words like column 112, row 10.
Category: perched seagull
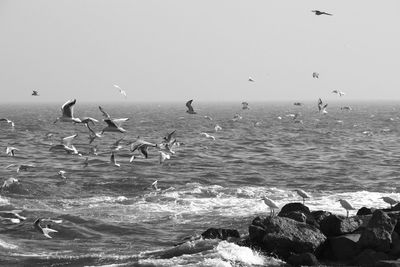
column 35, row 93
column 12, row 215
column 340, row 93
column 10, row 150
column 208, row 136
column 271, row 204
column 245, row 105
column 114, row 125
column 66, row 144
column 217, row 128
column 61, row 173
column 122, row 92
column 390, row 201
column 113, row 161
column 68, row 112
column 346, row 205
column 163, row 156
column 303, row 194
column 315, row 75
column 190, row 108
column 9, row 182
column 8, row 121
column 318, row 13
column 44, row 230
column 142, row 146
column 250, row 79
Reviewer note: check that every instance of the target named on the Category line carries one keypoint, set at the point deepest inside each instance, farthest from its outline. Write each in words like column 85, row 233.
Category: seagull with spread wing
column 190, row 107
column 318, row 13
column 68, row 112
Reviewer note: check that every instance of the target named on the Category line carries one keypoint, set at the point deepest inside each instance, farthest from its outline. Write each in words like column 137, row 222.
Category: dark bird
column 190, row 108
column 142, row 146
column 315, row 75
column 318, row 13
column 245, row 105
column 35, row 93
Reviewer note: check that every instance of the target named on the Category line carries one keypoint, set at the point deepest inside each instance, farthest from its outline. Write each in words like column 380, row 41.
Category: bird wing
column 105, row 114
column 144, row 150
column 68, row 140
column 120, row 121
column 169, row 136
column 189, row 105
column 68, row 108
column 326, row 13
column 112, row 158
column 110, row 123
column 88, row 119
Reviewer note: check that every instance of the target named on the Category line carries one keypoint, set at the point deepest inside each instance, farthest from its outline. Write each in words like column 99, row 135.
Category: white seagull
column 163, row 156
column 122, row 92
column 66, row 144
column 250, row 79
column 61, row 173
column 303, row 194
column 10, row 150
column 208, row 136
column 271, row 204
column 12, row 215
column 142, row 146
column 44, row 230
column 340, row 93
column 8, row 121
column 68, row 112
column 217, row 128
column 346, row 205
column 114, row 125
column 113, row 161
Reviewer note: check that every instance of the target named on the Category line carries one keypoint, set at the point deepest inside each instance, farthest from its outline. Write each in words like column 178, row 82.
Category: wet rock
column 365, row 211
column 296, row 215
column 298, row 212
column 294, row 207
column 284, row 236
column 220, row 233
column 342, row 248
column 369, row 257
column 304, row 259
column 335, row 225
column 388, row 263
column 319, row 215
column 378, row 233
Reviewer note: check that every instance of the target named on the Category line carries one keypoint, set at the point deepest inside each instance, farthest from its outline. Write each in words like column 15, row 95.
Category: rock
column 388, row 263
column 298, row 212
column 369, row 257
column 395, row 246
column 294, row 207
column 378, row 234
column 220, row 233
column 296, row 215
column 396, row 207
column 304, row 259
column 319, row 215
column 342, row 248
column 284, row 236
column 365, row 211
column 334, row 225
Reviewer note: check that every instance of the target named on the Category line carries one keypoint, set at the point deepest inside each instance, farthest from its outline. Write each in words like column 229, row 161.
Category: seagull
column 190, row 108
column 114, row 125
column 318, row 13
column 8, row 121
column 217, row 128
column 245, row 105
column 142, row 146
column 10, row 150
column 154, row 185
column 237, row 117
column 390, row 201
column 163, row 156
column 116, row 146
column 44, row 230
column 87, row 120
column 122, row 92
column 297, row 104
column 208, row 118
column 35, row 93
column 340, row 93
column 66, row 144
column 322, row 107
column 9, row 182
column 68, row 112
column 12, row 215
column 315, row 75
column 208, row 136
column 168, row 138
column 303, row 194
column 346, row 205
column 346, row 108
column 250, row 79
column 92, row 134
column 112, row 160
column 61, row 173
column 105, row 114
column 271, row 204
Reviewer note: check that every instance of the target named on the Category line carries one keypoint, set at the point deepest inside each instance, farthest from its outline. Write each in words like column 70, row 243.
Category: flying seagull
column 340, row 93
column 142, row 146
column 8, row 121
column 10, row 150
column 251, row 79
column 208, row 136
column 122, row 92
column 318, row 13
column 113, row 125
column 315, row 75
column 68, row 112
column 44, row 230
column 190, row 108
column 163, row 156
column 322, row 107
column 35, row 93
column 66, row 144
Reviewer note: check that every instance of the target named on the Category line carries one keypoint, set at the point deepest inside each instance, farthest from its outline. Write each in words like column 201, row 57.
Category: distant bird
column 44, row 230
column 122, row 92
column 190, row 108
column 303, row 194
column 297, row 104
column 208, row 136
column 9, row 182
column 10, row 151
column 208, row 118
column 245, row 105
column 8, row 121
column 12, row 215
column 237, row 117
column 346, row 205
column 61, row 173
column 251, row 79
column 68, row 112
column 35, row 93
column 142, row 146
column 322, row 107
column 390, row 201
column 340, row 93
column 154, row 185
column 346, row 108
column 113, row 161
column 163, row 156
column 315, row 75
column 271, row 204
column 318, row 13
column 217, row 128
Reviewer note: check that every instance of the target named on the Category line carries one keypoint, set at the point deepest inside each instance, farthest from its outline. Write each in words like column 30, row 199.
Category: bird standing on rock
column 303, row 194
column 346, row 205
column 271, row 204
column 390, row 201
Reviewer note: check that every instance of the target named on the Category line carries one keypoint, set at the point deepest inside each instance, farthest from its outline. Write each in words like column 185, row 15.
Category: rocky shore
column 302, row 237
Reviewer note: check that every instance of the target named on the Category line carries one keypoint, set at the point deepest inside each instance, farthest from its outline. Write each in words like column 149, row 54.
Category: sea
column 106, row 215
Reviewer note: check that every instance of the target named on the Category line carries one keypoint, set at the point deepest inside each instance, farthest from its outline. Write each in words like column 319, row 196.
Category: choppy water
column 110, row 215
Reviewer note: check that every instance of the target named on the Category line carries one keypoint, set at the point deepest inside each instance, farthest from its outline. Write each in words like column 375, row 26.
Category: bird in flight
column 340, row 93
column 122, row 92
column 35, row 93
column 315, row 75
column 190, row 108
column 318, row 13
column 68, row 112
column 251, row 79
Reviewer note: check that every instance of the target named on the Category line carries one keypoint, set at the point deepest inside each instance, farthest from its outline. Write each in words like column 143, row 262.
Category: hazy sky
column 203, row 50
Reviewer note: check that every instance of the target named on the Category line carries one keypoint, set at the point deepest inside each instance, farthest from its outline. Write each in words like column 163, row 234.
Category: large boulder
column 378, row 233
column 284, row 236
column 365, row 211
column 369, row 257
column 341, row 248
column 298, row 212
column 304, row 259
column 319, row 215
column 335, row 225
column 220, row 233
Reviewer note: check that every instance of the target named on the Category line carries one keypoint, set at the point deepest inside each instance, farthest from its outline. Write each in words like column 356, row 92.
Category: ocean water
column 112, row 217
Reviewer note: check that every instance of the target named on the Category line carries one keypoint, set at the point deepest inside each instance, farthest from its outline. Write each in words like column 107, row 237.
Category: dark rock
column 293, row 207
column 342, row 248
column 319, row 215
column 220, row 233
column 396, row 207
column 369, row 257
column 284, row 236
column 298, row 212
column 296, row 215
column 334, row 225
column 378, row 234
column 304, row 259
column 395, row 246
column 388, row 263
column 365, row 211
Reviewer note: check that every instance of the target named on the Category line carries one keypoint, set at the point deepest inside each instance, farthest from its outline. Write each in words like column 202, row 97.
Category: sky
column 176, row 50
